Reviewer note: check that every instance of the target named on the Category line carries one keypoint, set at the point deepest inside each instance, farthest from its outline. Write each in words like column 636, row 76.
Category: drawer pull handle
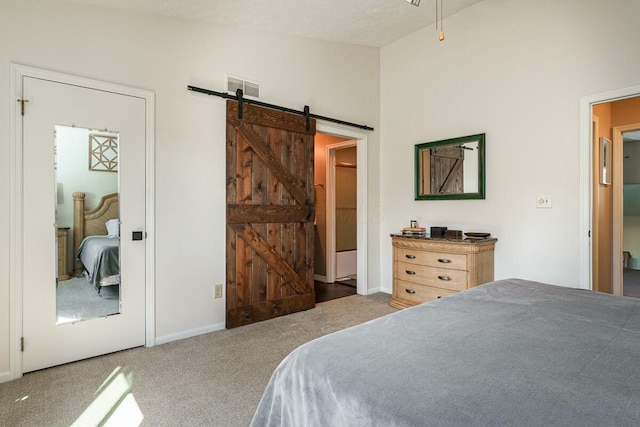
column 445, row 278
column 444, row 260
column 410, row 272
column 410, row 291
column 410, row 256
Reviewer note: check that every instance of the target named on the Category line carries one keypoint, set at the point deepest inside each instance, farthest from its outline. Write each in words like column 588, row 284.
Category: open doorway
column 335, row 184
column 616, row 209
column 329, row 134
column 342, row 212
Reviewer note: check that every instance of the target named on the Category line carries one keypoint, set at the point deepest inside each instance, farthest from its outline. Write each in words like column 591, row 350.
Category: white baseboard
column 320, row 278
column 5, row 376
column 375, row 290
column 379, row 289
column 190, row 333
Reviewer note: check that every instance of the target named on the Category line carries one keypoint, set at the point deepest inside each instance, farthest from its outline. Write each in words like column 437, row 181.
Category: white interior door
column 51, row 103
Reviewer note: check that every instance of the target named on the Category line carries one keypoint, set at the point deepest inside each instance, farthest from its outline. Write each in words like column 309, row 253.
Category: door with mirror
column 87, row 223
column 83, row 200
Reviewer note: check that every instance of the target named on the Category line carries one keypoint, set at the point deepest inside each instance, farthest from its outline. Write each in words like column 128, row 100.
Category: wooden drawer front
column 418, row 294
column 433, row 259
column 455, row 280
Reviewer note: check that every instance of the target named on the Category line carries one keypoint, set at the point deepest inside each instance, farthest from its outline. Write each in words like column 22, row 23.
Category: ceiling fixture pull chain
column 438, row 16
column 441, row 37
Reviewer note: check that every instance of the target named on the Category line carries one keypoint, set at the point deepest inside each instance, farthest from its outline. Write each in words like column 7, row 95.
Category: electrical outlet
column 543, row 202
column 217, row 293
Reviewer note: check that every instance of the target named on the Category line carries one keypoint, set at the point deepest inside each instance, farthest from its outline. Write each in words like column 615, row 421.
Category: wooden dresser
column 63, row 249
column 425, row 269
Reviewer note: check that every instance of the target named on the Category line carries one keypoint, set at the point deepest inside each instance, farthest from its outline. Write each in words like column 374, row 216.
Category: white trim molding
column 190, row 333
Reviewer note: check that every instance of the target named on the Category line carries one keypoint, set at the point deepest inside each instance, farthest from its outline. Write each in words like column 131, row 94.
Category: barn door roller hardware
column 238, row 97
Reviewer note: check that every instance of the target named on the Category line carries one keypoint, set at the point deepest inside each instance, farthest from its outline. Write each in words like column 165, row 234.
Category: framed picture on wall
column 605, row 161
column 103, row 152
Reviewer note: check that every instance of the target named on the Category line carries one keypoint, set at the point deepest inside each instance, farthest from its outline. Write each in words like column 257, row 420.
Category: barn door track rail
column 239, row 97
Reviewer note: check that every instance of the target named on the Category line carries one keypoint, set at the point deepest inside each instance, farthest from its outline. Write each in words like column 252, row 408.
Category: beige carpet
column 215, row 379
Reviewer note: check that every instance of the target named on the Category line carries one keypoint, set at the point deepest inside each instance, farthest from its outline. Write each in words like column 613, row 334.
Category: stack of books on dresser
column 414, row 231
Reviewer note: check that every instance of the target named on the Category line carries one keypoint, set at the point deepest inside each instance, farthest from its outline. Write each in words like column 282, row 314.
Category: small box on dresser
column 425, row 269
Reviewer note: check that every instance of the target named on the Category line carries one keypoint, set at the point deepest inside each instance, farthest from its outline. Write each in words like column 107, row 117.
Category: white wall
column 165, row 55
column 515, row 69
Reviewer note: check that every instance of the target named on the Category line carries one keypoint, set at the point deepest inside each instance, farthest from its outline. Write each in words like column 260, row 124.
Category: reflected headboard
column 91, row 223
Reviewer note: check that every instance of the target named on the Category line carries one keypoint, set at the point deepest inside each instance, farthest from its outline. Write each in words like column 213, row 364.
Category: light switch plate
column 543, row 202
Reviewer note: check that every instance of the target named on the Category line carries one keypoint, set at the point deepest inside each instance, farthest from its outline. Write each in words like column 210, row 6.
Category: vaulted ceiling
column 364, row 22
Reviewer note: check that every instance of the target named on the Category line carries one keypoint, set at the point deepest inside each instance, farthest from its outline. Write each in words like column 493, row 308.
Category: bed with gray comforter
column 100, row 258
column 511, row 352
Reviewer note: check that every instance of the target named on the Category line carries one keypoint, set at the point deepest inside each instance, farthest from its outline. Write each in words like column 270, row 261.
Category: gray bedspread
column 508, row 353
column 100, row 258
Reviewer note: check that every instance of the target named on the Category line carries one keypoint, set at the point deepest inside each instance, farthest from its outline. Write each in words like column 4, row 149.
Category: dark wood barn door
column 270, row 214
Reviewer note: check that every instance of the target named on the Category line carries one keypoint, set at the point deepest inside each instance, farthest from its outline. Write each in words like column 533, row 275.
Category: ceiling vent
column 249, row 89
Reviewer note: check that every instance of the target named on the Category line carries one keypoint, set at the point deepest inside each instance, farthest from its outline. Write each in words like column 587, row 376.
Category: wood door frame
column 586, row 175
column 16, row 197
column 595, row 227
column 617, row 183
column 362, row 211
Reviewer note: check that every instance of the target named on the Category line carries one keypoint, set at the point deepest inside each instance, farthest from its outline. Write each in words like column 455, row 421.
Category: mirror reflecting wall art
column 103, row 152
column 450, row 169
column 87, row 224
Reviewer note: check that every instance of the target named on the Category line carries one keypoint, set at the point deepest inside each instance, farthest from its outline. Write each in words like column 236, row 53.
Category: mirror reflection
column 450, row 169
column 87, row 224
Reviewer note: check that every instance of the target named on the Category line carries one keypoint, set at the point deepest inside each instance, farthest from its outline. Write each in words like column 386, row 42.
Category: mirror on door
column 87, row 224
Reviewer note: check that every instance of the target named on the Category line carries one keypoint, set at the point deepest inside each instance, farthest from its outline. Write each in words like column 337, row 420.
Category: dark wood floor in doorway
column 329, row 291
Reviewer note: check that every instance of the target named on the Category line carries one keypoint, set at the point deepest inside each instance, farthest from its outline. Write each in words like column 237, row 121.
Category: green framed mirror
column 451, row 169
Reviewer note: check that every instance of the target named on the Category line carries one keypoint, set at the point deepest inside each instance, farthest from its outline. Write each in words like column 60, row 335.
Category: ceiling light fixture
column 414, row 2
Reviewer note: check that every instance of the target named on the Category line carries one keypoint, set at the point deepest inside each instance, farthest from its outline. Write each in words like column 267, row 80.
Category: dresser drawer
column 455, row 280
column 425, row 269
column 417, row 294
column 432, row 259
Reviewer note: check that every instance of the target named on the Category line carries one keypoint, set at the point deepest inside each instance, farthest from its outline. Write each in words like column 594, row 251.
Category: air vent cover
column 249, row 88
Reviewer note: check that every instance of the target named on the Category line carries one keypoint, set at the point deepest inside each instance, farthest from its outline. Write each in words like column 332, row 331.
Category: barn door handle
column 309, row 211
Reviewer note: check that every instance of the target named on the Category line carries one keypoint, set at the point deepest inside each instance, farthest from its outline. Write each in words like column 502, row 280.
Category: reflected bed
column 100, row 257
column 96, row 240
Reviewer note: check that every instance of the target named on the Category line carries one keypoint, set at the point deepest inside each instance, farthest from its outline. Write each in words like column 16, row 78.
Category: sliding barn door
column 270, row 214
